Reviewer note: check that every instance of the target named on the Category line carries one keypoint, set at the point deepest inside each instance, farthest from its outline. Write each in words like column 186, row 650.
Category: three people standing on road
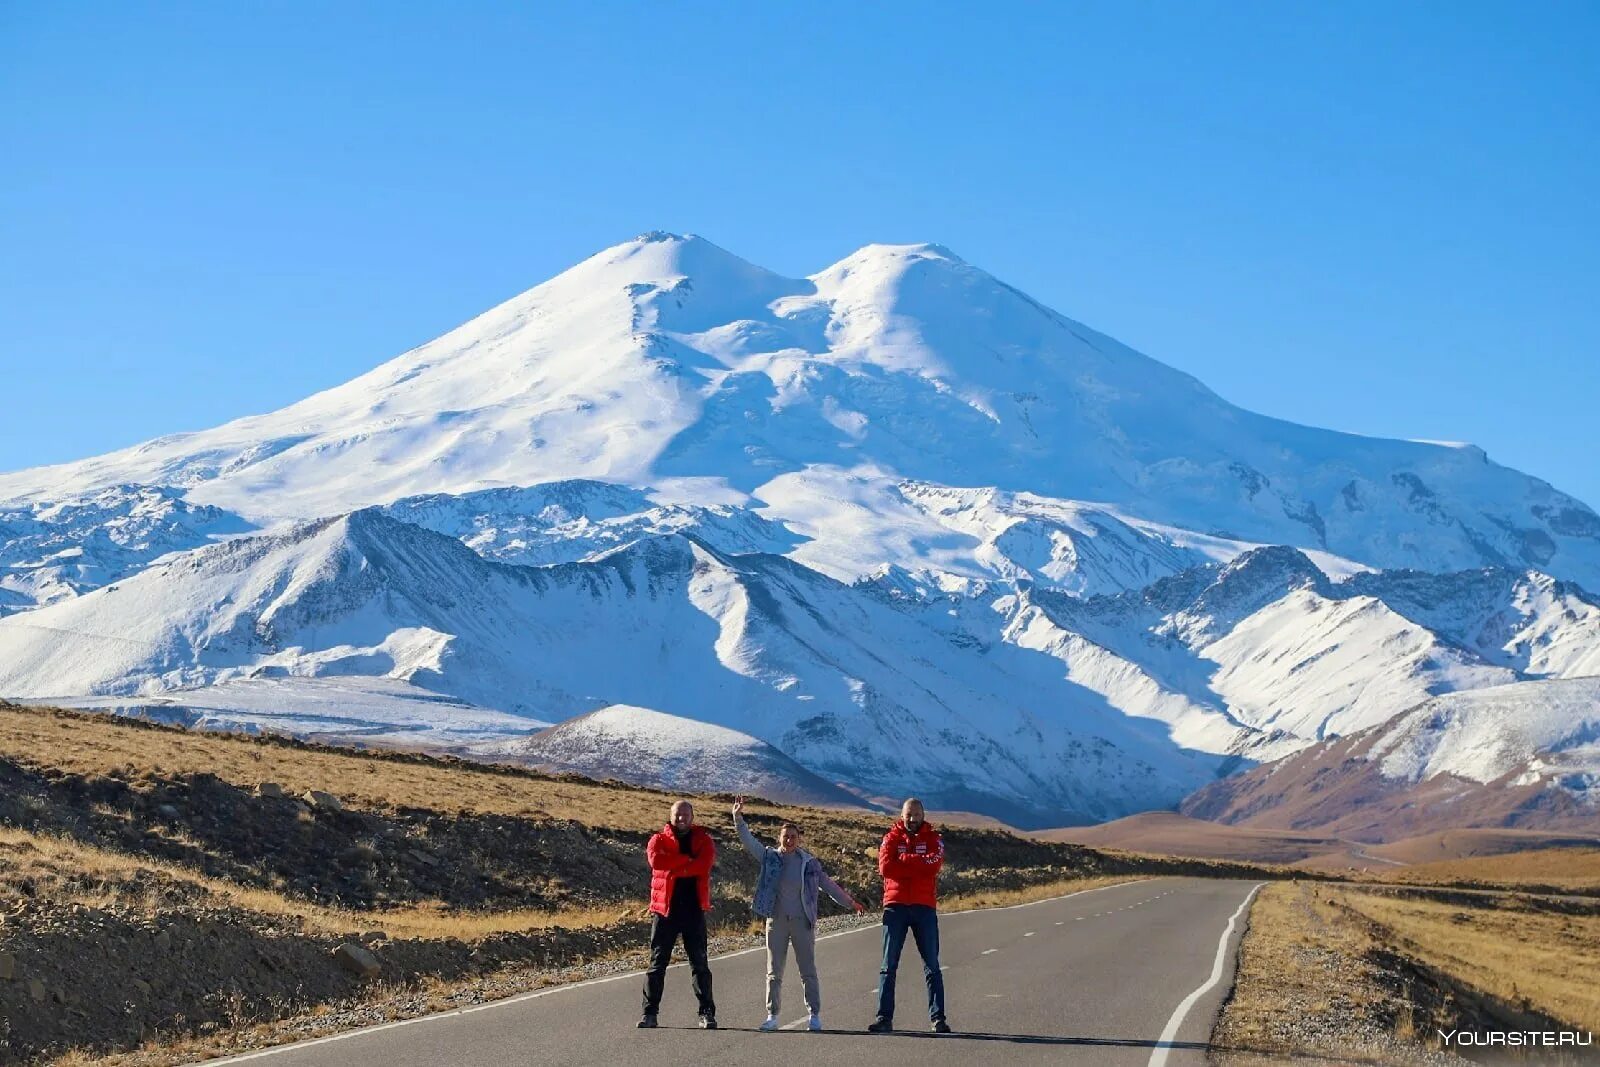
column 680, row 855
column 786, row 897
column 909, row 860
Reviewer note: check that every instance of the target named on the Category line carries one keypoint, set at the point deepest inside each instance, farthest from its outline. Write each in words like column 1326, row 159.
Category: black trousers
column 664, row 933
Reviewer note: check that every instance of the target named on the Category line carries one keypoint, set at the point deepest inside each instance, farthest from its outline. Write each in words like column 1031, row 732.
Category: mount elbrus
column 893, row 525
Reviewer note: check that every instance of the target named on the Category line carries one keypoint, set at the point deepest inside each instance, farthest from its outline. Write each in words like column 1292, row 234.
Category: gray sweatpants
column 781, row 933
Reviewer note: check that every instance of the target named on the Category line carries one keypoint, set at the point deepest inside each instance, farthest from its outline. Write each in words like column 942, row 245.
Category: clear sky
column 1376, row 217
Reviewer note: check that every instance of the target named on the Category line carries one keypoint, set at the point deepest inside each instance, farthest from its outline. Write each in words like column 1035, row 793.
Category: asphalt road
column 1128, row 974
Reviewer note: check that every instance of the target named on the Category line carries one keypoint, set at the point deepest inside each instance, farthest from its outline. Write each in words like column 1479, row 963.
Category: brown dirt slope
column 1570, row 870
column 1331, row 788
column 1171, row 834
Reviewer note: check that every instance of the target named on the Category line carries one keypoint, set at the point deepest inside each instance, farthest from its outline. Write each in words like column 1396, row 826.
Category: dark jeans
column 664, row 933
column 923, row 922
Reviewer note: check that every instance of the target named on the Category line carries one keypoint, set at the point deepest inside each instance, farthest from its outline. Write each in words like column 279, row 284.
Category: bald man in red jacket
column 680, row 856
column 909, row 860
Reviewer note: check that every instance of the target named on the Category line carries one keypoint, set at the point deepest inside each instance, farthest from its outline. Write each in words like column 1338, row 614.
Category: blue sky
column 1379, row 218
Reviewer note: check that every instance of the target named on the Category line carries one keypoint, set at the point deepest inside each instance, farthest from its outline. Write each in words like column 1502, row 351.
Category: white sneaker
column 814, row 1024
column 771, row 1023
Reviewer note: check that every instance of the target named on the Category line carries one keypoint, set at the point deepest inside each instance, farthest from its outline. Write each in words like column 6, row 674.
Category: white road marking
column 1028, row 934
column 1158, row 1056
column 536, row 994
column 986, row 951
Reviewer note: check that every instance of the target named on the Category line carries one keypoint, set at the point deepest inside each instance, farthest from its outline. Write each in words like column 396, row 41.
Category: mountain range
column 892, row 527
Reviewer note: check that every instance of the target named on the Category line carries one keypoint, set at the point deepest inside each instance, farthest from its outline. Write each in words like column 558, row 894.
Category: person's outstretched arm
column 839, row 894
column 746, row 838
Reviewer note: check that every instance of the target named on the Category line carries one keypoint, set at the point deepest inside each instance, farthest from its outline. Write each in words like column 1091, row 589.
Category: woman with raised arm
column 786, row 897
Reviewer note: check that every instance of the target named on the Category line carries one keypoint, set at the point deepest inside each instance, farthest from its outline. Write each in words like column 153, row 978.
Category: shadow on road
column 1082, row 1042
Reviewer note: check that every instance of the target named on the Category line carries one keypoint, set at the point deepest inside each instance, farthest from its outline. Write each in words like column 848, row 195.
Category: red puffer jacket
column 668, row 864
column 909, row 863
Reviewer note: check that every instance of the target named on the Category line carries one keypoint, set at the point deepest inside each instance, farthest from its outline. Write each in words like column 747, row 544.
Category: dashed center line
column 986, row 951
column 1028, row 934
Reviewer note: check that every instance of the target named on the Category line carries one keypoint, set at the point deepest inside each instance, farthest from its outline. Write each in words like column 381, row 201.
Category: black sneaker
column 880, row 1025
column 708, row 1022
column 940, row 1026
column 647, row 1022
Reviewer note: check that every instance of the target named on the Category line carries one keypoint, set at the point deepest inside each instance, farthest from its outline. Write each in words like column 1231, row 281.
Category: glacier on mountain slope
column 1093, row 544
column 55, row 550
column 349, row 709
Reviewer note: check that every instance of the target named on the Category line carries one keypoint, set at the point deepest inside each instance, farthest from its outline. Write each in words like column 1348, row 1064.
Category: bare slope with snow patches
column 1520, row 755
column 668, row 362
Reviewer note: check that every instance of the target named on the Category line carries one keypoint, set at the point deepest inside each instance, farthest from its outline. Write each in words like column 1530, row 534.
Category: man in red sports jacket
column 680, row 856
column 909, row 860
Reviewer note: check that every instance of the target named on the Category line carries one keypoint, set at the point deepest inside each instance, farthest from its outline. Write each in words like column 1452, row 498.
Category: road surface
column 1127, row 974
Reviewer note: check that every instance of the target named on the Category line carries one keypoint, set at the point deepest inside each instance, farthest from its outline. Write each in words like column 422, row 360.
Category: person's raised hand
column 738, row 807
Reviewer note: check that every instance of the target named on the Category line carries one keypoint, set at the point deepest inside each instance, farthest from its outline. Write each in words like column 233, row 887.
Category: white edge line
column 535, row 994
column 1158, row 1055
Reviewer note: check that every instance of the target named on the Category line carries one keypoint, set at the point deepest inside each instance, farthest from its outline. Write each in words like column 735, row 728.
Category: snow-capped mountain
column 666, row 362
column 1526, row 754
column 895, row 521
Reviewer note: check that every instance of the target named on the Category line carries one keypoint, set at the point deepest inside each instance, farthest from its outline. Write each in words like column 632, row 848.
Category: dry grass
column 1365, row 975
column 70, row 872
column 1572, row 870
column 1479, row 841
column 88, row 744
column 1305, row 986
column 1523, row 955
